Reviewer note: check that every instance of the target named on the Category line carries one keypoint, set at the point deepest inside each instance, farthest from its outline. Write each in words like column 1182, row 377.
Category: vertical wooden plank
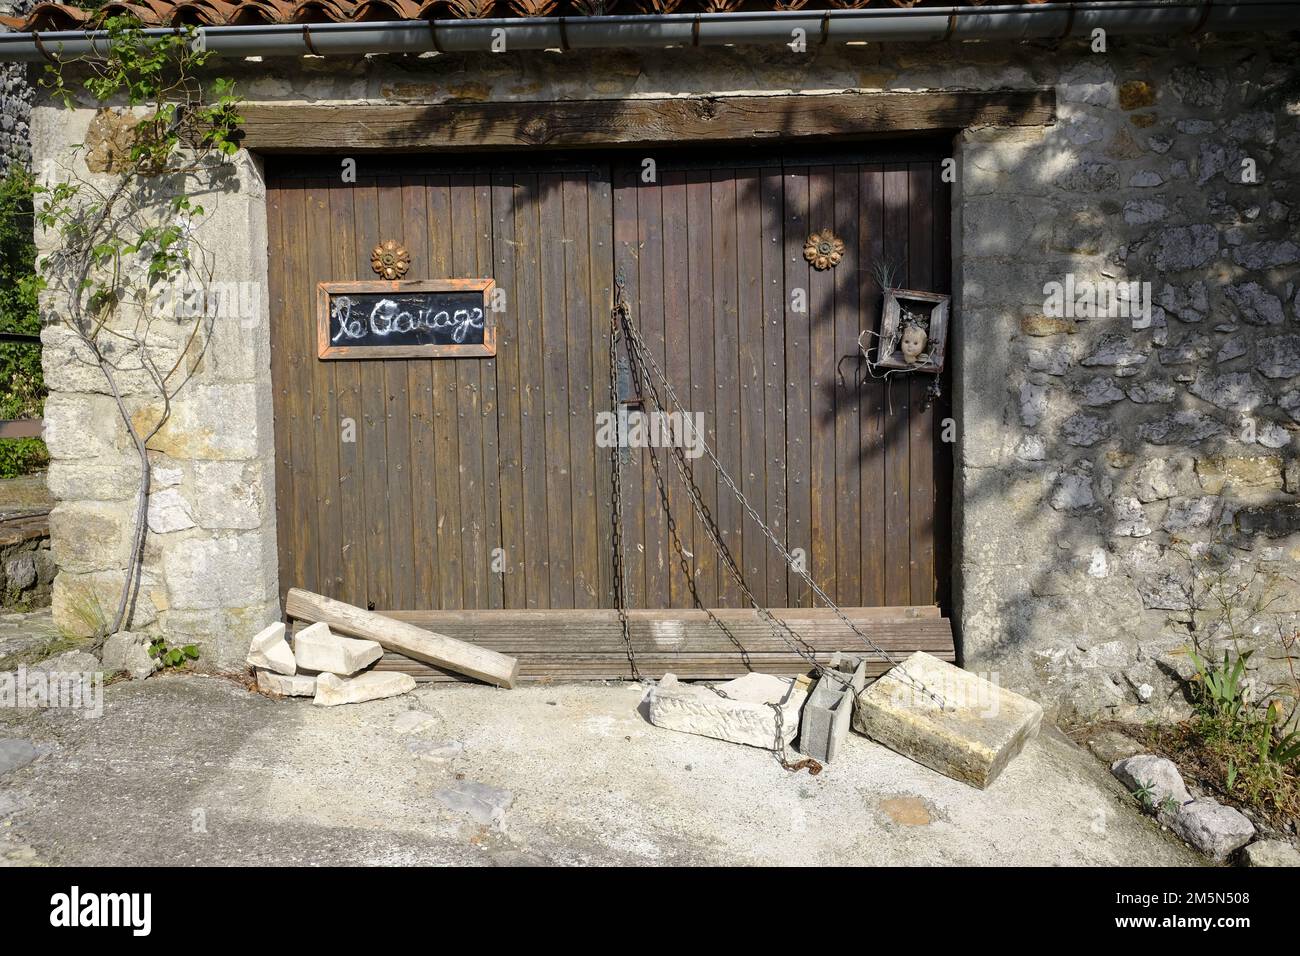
column 533, row 504
column 702, row 398
column 751, row 318
column 726, row 393
column 299, row 342
column 920, row 252
column 774, row 300
column 347, row 378
column 798, row 421
column 559, row 488
column 627, row 266
column 600, row 295
column 509, row 442
column 397, row 430
column 943, row 450
column 898, row 572
column 649, row 238
column 871, row 246
column 446, row 425
column 423, row 442
column 282, row 385
column 822, row 388
column 678, row 346
column 494, row 585
column 581, row 409
column 848, row 480
column 472, row 523
column 371, row 426
column 324, row 426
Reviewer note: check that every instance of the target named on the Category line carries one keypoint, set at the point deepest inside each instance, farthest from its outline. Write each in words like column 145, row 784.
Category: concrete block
column 829, row 710
column 747, row 710
column 270, row 651
column 332, row 690
column 315, row 648
column 285, row 685
column 947, row 719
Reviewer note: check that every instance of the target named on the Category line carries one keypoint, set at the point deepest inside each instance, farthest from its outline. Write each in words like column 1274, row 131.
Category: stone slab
column 1271, row 853
column 286, row 685
column 332, row 690
column 270, row 651
column 947, row 719
column 829, row 710
column 1215, row 830
column 316, row 648
column 15, row 753
column 743, row 711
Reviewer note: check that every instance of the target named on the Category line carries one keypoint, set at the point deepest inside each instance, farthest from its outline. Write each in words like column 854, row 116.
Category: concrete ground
column 198, row 770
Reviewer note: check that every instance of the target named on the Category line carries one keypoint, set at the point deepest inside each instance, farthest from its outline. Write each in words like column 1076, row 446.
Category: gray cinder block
column 829, row 710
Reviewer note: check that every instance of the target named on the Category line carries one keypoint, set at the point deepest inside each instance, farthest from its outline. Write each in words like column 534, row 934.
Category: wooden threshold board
column 588, row 644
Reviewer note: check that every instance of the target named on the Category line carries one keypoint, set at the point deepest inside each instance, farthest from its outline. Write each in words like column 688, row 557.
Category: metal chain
column 616, row 489
column 640, row 353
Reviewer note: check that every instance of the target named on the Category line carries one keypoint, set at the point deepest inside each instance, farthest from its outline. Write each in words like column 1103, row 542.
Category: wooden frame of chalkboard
column 361, row 331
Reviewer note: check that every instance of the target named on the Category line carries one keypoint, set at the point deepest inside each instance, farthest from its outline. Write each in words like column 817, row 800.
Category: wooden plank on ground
column 587, row 644
column 405, row 639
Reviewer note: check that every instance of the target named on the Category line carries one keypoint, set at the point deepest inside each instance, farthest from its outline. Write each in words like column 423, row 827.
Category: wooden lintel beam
column 576, row 124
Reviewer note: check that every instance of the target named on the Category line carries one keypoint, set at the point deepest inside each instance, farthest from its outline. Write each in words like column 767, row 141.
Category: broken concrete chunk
column 1215, row 830
column 286, row 685
column 413, row 721
column 486, row 805
column 317, row 649
column 748, row 710
column 373, row 685
column 439, row 751
column 270, row 651
column 829, row 710
column 947, row 719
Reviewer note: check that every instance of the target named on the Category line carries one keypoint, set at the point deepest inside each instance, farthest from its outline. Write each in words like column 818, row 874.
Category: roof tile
column 48, row 16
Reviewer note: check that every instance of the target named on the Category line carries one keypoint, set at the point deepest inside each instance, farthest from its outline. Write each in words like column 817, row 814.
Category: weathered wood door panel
column 476, row 483
column 847, row 470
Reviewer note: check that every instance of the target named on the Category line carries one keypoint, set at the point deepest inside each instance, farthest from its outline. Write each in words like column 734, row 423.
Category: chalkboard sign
column 423, row 318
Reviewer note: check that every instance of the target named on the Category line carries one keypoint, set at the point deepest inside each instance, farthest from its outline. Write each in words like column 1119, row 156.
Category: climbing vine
column 126, row 263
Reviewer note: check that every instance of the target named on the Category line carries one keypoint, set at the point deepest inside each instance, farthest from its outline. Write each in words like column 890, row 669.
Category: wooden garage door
column 477, row 483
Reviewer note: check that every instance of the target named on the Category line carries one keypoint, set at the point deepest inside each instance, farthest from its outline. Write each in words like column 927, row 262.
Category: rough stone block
column 1155, row 781
column 128, row 651
column 1271, row 853
column 1215, row 830
column 373, row 685
column 829, row 710
column 743, row 711
column 317, row 649
column 947, row 719
column 286, row 685
column 270, row 651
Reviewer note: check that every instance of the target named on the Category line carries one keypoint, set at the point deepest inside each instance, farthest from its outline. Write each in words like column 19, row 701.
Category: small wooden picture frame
column 405, row 318
column 928, row 309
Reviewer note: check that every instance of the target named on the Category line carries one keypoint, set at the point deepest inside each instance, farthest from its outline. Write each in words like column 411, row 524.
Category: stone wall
column 15, row 101
column 1088, row 448
column 209, row 572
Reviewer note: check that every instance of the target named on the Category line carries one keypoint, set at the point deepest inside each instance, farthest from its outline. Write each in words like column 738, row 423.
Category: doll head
column 912, row 343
